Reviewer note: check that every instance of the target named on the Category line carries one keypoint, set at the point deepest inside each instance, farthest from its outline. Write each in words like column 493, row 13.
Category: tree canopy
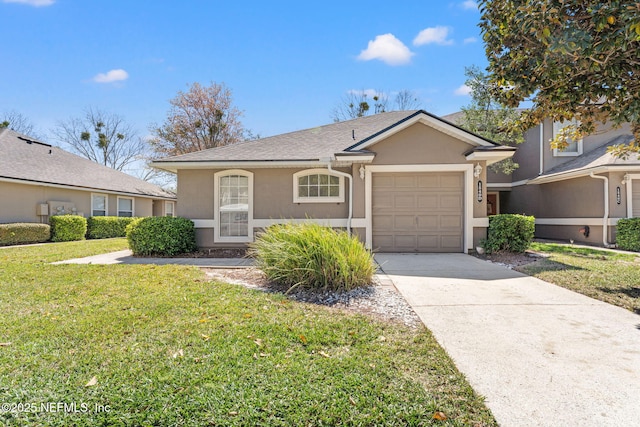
column 574, row 59
column 103, row 137
column 203, row 117
column 486, row 117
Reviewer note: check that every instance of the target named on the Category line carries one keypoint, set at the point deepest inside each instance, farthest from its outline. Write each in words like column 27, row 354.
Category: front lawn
column 607, row 276
column 131, row 345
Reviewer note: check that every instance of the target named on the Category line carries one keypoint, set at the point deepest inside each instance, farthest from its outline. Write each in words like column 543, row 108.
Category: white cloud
column 463, row 90
column 469, row 40
column 36, row 3
column 388, row 49
column 469, row 5
column 436, row 35
column 111, row 76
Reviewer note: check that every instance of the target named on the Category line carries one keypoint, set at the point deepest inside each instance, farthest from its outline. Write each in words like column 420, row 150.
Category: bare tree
column 357, row 104
column 362, row 103
column 103, row 137
column 18, row 122
column 407, row 100
column 201, row 118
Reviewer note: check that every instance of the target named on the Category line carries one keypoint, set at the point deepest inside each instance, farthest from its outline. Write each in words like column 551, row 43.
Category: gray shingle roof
column 42, row 163
column 306, row 145
column 596, row 158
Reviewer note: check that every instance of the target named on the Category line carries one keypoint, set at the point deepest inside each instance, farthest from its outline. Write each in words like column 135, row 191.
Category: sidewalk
column 126, row 257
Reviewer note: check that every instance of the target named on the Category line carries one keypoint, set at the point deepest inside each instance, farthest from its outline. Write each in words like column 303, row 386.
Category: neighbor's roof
column 595, row 160
column 324, row 142
column 23, row 158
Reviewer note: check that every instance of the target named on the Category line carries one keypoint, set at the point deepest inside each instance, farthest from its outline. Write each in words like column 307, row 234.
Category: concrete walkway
column 540, row 354
column 126, row 257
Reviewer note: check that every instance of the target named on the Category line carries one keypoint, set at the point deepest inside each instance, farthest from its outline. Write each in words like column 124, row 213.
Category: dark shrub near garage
column 509, row 233
column 163, row 236
column 628, row 234
column 313, row 256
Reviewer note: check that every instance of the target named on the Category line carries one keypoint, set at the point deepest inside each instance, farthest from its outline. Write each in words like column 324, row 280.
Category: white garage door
column 418, row 212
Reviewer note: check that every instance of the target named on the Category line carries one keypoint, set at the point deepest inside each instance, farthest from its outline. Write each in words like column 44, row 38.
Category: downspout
column 350, row 178
column 605, row 219
column 541, row 148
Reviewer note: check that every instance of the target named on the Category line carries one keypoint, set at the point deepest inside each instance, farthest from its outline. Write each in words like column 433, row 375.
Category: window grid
column 318, row 186
column 234, row 206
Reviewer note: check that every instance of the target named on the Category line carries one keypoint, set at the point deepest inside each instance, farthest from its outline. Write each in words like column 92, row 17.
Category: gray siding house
column 38, row 180
column 404, row 181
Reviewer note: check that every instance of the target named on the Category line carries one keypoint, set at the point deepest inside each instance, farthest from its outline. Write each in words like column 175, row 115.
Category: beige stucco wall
column 19, row 202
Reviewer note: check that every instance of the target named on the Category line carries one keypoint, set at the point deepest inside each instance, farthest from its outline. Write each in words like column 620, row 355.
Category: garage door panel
column 418, row 212
column 407, row 201
column 427, row 201
column 404, row 223
column 451, row 202
column 450, row 222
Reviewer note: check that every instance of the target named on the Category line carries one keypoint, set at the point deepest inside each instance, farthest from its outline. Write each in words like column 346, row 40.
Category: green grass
column 170, row 348
column 607, row 276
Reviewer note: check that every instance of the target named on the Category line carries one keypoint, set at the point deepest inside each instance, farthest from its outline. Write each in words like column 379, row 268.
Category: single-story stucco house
column 403, row 181
column 38, row 180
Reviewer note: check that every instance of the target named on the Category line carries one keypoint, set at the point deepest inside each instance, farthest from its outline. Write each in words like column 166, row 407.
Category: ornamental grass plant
column 312, row 256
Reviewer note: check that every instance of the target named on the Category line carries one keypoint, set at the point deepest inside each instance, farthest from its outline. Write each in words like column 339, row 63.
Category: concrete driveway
column 540, row 354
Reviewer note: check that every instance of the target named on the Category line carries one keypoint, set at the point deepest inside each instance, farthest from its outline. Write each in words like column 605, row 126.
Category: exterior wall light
column 477, row 170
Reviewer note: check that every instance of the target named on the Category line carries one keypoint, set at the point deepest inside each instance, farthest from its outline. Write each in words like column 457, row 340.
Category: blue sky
column 288, row 63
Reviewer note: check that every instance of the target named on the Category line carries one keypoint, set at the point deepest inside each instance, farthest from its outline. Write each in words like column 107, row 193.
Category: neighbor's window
column 316, row 186
column 125, row 206
column 169, row 209
column 574, row 148
column 98, row 205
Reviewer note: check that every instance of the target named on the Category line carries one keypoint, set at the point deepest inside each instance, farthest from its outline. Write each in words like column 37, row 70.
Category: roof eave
column 491, row 156
column 254, row 164
column 578, row 173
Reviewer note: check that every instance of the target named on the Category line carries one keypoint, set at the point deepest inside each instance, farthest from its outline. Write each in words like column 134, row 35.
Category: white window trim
column 133, row 205
column 106, row 203
column 469, row 195
column 216, row 207
column 319, row 199
column 173, row 210
column 556, row 126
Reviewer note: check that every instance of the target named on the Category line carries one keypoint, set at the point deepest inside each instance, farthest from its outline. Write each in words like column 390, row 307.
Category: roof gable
column 25, row 159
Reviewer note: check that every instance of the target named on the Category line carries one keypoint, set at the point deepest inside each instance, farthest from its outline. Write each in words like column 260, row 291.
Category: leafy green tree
column 102, row 137
column 574, row 59
column 201, row 118
column 487, row 117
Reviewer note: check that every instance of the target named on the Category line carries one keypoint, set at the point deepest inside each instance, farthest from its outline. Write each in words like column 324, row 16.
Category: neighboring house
column 38, row 180
column 404, row 181
column 575, row 194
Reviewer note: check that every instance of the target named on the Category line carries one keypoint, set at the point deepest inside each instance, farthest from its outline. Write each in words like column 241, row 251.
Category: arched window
column 234, row 206
column 317, row 186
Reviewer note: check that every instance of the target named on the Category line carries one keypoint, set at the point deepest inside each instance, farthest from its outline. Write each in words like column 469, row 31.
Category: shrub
column 106, row 227
column 509, row 233
column 164, row 236
column 628, row 234
column 67, row 228
column 312, row 256
column 23, row 232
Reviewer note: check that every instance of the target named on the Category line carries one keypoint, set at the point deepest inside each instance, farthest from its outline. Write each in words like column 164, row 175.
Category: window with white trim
column 99, row 205
column 233, row 206
column 317, row 186
column 574, row 148
column 125, row 206
column 169, row 208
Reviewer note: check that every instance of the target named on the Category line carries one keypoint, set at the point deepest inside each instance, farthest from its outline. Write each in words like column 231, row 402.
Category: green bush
column 23, row 232
column 312, row 256
column 509, row 233
column 67, row 228
column 164, row 236
column 106, row 227
column 628, row 234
